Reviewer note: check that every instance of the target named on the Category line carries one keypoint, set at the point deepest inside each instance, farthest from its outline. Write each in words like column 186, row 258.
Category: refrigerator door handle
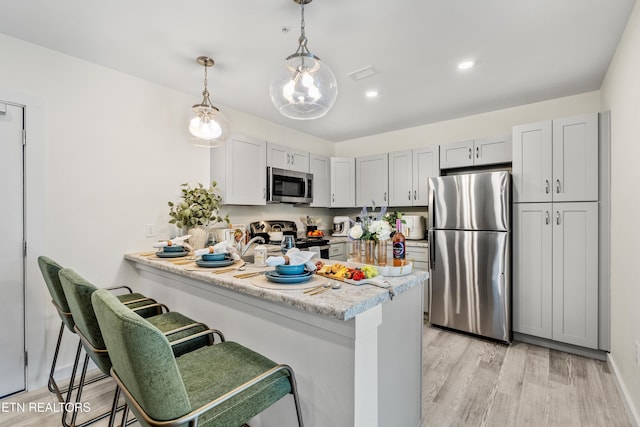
column 432, row 249
column 432, row 207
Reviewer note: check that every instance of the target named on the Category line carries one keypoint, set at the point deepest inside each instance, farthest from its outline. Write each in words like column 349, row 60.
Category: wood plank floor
column 467, row 381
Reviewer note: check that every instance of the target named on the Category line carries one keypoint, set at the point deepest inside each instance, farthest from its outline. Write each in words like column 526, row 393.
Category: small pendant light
column 304, row 88
column 208, row 127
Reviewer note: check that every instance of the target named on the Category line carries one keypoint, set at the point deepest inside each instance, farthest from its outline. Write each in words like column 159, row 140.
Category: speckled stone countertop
column 343, row 304
column 415, row 243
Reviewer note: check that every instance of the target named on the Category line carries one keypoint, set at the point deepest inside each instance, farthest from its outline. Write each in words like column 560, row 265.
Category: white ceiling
column 526, row 50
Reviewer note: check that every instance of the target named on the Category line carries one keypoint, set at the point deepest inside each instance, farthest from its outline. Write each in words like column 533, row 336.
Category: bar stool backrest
column 78, row 292
column 50, row 270
column 142, row 358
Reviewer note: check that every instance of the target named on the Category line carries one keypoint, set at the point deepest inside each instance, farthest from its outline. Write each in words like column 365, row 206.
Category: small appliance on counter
column 340, row 226
column 413, row 227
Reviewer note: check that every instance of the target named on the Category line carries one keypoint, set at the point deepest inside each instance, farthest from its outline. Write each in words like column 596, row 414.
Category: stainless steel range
column 288, row 228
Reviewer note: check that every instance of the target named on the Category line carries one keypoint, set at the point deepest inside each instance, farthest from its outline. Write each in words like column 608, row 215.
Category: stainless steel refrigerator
column 470, row 253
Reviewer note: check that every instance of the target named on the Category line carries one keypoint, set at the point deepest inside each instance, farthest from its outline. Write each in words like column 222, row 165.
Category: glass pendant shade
column 304, row 88
column 208, row 126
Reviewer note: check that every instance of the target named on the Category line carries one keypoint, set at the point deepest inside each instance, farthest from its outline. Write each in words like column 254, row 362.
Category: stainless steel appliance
column 470, row 253
column 289, row 228
column 285, row 186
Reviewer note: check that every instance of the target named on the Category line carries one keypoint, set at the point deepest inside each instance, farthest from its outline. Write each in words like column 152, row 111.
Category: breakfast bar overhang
column 356, row 353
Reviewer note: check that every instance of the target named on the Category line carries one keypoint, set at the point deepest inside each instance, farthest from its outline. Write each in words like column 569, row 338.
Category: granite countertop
column 343, row 304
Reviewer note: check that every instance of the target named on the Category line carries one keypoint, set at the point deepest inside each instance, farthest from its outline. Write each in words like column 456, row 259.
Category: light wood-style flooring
column 467, row 381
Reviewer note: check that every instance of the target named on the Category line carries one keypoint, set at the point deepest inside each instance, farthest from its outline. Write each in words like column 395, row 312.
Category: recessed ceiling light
column 371, row 94
column 465, row 65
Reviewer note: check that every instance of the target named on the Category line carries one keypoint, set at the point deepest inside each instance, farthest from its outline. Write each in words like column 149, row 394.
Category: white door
column 426, row 163
column 12, row 346
column 246, row 171
column 320, row 167
column 343, row 184
column 456, row 154
column 491, row 151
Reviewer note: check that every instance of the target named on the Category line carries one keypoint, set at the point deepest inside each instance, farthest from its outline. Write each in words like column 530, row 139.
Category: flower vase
column 381, row 252
column 198, row 237
column 369, row 251
column 356, row 251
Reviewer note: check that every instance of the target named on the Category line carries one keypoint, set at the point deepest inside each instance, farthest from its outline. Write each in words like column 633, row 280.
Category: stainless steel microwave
column 285, row 186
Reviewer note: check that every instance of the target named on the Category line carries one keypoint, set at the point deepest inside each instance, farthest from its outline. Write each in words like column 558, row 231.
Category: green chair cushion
column 210, row 372
column 50, row 270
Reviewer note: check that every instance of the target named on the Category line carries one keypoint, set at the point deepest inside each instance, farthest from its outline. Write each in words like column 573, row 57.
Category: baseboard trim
column 555, row 345
column 632, row 411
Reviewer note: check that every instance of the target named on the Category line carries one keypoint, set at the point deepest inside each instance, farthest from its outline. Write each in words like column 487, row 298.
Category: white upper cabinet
column 343, row 185
column 409, row 171
column 246, row 171
column 556, row 160
column 372, row 180
column 280, row 156
column 320, row 167
column 476, row 152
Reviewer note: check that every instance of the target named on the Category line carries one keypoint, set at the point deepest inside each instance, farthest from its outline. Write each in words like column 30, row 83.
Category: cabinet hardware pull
column 293, row 159
column 477, row 152
column 558, row 217
column 288, row 159
column 546, row 217
column 558, row 186
column 469, row 153
column 409, row 194
column 415, row 195
column 385, row 196
column 264, row 193
column 333, row 197
column 546, row 186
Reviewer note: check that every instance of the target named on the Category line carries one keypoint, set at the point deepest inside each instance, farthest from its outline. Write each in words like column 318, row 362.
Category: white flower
column 381, row 229
column 355, row 232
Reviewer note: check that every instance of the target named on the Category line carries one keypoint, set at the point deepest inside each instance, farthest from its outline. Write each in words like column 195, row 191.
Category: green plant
column 199, row 206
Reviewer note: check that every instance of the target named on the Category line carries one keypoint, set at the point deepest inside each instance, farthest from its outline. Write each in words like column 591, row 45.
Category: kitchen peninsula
column 356, row 352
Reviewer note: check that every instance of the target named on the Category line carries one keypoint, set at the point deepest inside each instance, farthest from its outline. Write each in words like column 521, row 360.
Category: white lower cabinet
column 555, row 271
column 338, row 251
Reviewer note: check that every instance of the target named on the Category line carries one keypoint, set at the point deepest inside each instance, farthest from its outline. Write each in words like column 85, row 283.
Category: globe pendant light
column 305, row 87
column 208, row 127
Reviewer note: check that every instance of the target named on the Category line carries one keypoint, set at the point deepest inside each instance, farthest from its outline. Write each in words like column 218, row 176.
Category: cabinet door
column 372, row 180
column 320, row 167
column 490, row 151
column 575, row 159
column 456, row 154
column 401, row 178
column 298, row 160
column 532, row 269
column 343, row 187
column 531, row 169
column 246, row 171
column 426, row 163
column 575, row 273
column 278, row 156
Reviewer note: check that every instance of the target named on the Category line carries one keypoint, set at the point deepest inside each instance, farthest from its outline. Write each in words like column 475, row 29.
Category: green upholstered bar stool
column 50, row 269
column 187, row 334
column 221, row 385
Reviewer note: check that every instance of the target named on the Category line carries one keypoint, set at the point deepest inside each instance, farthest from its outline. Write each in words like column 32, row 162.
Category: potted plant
column 199, row 207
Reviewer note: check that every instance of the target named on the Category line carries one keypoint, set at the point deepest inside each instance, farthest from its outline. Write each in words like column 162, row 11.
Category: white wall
column 115, row 152
column 494, row 123
column 621, row 94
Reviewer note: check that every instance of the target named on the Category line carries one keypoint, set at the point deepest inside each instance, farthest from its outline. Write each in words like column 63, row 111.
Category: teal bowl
column 176, row 248
column 213, row 257
column 290, row 269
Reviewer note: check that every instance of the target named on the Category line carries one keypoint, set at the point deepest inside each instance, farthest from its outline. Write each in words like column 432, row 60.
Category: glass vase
column 369, row 251
column 356, row 251
column 381, row 252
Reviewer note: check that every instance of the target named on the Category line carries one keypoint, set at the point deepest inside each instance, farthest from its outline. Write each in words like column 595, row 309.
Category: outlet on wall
column 150, row 230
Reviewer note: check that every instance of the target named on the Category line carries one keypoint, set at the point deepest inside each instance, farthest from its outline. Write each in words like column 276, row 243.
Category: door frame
column 36, row 333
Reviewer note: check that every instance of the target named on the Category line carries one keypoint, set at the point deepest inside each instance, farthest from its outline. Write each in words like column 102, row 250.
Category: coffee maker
column 340, row 226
